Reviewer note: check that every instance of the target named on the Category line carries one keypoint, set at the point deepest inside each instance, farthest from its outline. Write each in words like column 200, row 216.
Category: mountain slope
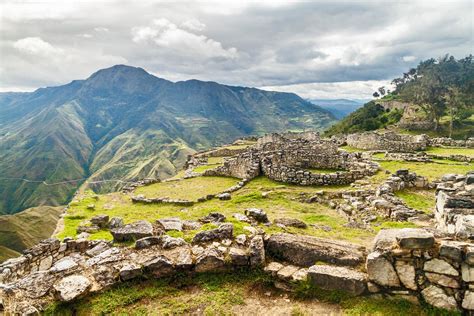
column 124, row 123
column 26, row 229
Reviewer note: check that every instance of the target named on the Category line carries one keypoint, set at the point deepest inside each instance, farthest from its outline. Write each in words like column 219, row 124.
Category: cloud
column 326, row 47
column 166, row 34
column 36, row 46
column 193, row 25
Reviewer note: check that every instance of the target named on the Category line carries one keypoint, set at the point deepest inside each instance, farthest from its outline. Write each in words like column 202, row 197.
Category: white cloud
column 409, row 58
column 86, row 35
column 194, row 25
column 165, row 34
column 333, row 90
column 36, row 46
column 101, row 29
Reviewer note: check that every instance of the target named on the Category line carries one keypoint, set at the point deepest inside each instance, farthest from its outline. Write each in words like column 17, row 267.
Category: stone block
column 337, row 278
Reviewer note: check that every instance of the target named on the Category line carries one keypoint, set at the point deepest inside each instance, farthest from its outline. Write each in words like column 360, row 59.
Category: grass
column 227, row 294
column 187, row 189
column 422, row 200
column 445, row 151
column 351, row 149
column 282, row 200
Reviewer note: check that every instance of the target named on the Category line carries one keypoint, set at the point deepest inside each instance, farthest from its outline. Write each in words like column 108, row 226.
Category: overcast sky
column 318, row 49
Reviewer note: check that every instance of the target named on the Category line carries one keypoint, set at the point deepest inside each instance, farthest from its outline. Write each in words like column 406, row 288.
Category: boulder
column 170, row 223
column 290, row 222
column 115, row 222
column 224, row 231
column 191, row 225
column 210, row 260
column 213, row 218
column 257, row 214
column 435, row 296
column 337, row 278
column 133, row 231
column 100, row 220
column 168, row 242
column 381, row 271
column 87, row 229
column 257, row 251
column 130, row 271
column 184, row 259
column 71, row 287
column 440, row 266
column 159, row 266
column 45, row 263
column 406, row 273
column 306, row 250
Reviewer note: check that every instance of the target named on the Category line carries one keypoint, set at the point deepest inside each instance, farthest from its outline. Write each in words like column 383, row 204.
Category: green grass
column 422, row 200
column 187, row 189
column 202, row 168
column 283, row 200
column 351, row 149
column 444, row 151
column 432, row 171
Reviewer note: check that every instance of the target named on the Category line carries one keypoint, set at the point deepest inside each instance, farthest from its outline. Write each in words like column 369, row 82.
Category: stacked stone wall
column 387, row 141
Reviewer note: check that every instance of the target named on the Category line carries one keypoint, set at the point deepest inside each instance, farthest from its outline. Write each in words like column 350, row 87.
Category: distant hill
column 439, row 93
column 124, row 123
column 26, row 229
column 339, row 107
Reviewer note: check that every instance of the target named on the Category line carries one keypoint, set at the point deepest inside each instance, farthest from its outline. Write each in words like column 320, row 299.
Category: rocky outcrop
column 306, row 250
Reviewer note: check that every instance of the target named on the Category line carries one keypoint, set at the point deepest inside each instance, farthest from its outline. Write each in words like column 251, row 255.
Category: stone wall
column 455, row 205
column 389, row 141
column 449, row 142
column 288, row 158
column 411, row 263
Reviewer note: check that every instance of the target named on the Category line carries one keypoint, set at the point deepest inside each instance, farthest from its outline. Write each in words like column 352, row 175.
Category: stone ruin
column 389, row 141
column 455, row 205
column 295, row 159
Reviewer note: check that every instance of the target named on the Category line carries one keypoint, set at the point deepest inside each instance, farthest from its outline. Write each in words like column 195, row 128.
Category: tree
column 376, row 94
column 382, row 91
column 455, row 103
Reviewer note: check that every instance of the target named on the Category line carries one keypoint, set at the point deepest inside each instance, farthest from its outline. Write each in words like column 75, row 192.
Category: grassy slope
column 27, row 228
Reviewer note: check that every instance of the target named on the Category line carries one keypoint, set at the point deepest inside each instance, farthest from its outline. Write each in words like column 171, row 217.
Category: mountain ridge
column 122, row 122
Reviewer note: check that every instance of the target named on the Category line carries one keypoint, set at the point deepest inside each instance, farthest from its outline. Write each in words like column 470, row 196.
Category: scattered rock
column 257, row 214
column 241, row 217
column 147, row 242
column 168, row 242
column 100, row 220
column 224, row 231
column 337, row 278
column 291, row 222
column 213, row 218
column 87, row 229
column 65, row 264
column 71, row 287
column 133, row 231
column 115, row 222
column 241, row 239
column 170, row 223
column 191, row 225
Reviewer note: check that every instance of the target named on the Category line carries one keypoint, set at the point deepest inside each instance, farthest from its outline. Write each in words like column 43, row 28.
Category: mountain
column 26, row 229
column 124, row 123
column 340, row 108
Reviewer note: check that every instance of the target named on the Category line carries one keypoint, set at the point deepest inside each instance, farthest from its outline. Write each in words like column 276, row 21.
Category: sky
column 317, row 49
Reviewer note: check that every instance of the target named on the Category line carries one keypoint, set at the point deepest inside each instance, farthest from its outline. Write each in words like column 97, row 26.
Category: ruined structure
column 296, row 159
column 455, row 205
column 389, row 141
